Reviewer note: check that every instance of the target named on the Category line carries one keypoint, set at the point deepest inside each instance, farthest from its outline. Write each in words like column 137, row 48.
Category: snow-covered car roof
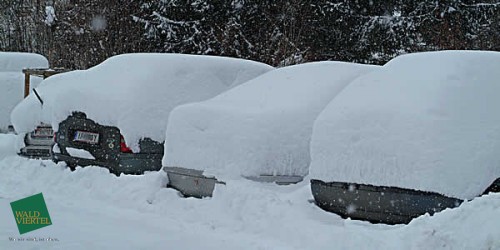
column 12, row 80
column 262, row 127
column 425, row 121
column 134, row 92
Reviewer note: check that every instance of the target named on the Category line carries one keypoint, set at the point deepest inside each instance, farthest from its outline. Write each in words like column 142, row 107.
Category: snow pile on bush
column 12, row 80
column 262, row 127
column 425, row 121
column 134, row 92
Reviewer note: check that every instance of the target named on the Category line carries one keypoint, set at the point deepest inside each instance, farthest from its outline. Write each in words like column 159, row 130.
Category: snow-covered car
column 12, row 81
column 418, row 136
column 115, row 114
column 259, row 130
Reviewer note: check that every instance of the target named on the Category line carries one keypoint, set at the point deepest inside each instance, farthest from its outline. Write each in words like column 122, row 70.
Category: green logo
column 31, row 213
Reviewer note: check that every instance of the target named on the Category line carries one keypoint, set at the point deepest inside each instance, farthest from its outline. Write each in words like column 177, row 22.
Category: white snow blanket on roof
column 12, row 80
column 262, row 127
column 134, row 92
column 426, row 121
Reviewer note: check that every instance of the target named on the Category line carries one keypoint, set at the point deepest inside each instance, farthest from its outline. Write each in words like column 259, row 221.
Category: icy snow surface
column 93, row 209
column 134, row 92
column 425, row 121
column 12, row 80
column 261, row 127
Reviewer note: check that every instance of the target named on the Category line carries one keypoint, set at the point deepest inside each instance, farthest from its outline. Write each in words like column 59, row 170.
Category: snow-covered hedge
column 12, row 80
column 134, row 92
column 261, row 127
column 425, row 121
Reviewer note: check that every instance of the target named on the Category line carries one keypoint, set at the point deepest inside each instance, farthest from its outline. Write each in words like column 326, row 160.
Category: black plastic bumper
column 36, row 152
column 390, row 205
column 128, row 163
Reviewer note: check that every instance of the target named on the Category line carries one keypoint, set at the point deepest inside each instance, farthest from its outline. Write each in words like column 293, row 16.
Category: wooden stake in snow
column 44, row 73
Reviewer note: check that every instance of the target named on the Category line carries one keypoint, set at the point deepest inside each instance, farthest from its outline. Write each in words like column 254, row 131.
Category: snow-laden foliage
column 275, row 32
column 249, row 29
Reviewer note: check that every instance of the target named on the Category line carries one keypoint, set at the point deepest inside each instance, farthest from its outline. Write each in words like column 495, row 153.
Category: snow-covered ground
column 92, row 209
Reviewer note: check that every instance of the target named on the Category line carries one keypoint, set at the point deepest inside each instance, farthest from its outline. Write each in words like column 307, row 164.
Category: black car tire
column 71, row 166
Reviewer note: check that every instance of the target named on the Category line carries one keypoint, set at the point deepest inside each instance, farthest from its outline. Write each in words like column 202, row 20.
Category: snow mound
column 243, row 215
column 134, row 92
column 262, row 127
column 7, row 145
column 17, row 61
column 453, row 228
column 12, row 80
column 425, row 121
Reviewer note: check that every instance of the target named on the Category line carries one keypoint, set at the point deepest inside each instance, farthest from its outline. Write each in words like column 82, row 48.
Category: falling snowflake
column 98, row 23
column 351, row 208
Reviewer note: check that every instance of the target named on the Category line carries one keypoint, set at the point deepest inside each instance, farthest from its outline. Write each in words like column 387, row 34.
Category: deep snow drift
column 93, row 209
column 134, row 92
column 262, row 127
column 425, row 121
column 12, row 80
column 7, row 145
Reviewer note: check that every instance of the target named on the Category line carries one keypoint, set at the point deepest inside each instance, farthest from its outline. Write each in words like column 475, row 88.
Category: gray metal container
column 191, row 182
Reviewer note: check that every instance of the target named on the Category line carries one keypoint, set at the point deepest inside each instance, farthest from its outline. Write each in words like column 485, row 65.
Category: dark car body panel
column 107, row 150
column 378, row 204
column 494, row 187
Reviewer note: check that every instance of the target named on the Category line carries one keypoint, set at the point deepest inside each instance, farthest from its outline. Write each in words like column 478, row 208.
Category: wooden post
column 26, row 84
column 45, row 73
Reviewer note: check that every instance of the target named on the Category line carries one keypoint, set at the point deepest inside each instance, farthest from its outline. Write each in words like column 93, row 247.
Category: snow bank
column 425, row 121
column 134, row 92
column 7, row 145
column 12, row 80
column 473, row 225
column 243, row 215
column 261, row 127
